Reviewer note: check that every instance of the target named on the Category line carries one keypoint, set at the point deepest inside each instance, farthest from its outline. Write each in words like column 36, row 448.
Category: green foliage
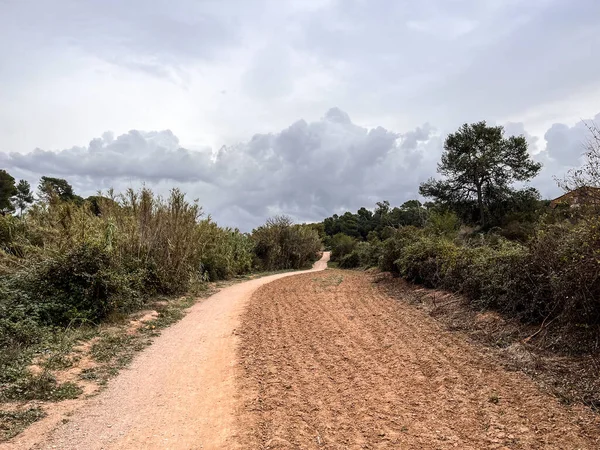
column 392, row 247
column 57, row 189
column 40, row 387
column 65, row 264
column 225, row 252
column 7, row 190
column 23, row 196
column 350, row 260
column 341, row 245
column 556, row 274
column 443, row 223
column 279, row 244
column 479, row 164
column 13, row 422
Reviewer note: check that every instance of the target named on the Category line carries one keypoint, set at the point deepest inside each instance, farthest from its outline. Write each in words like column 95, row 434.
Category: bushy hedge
column 66, row 262
column 279, row 244
column 555, row 274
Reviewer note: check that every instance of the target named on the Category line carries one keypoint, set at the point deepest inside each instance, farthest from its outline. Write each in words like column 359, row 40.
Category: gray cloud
column 158, row 39
column 309, row 170
column 152, row 156
column 566, row 144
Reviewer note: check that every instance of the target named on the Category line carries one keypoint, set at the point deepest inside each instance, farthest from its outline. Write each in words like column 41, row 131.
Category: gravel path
column 177, row 394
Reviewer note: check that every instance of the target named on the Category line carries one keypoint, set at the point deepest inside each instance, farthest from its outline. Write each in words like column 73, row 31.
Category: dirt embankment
column 329, row 360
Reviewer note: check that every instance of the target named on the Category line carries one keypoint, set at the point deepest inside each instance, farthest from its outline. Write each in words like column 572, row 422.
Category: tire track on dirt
column 329, row 360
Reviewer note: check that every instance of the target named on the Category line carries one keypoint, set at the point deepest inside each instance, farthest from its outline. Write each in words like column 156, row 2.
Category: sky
column 298, row 107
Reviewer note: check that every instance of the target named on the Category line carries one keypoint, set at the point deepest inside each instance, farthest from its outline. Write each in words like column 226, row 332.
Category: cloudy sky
column 304, row 107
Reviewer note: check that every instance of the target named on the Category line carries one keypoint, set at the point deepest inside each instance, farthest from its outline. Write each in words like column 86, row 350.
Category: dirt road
column 330, row 361
column 323, row 360
column 179, row 393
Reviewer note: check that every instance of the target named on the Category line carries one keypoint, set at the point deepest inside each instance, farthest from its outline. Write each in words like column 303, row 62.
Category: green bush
column 426, row 260
column 350, row 261
column 280, row 245
column 341, row 245
column 369, row 253
column 391, row 249
column 555, row 274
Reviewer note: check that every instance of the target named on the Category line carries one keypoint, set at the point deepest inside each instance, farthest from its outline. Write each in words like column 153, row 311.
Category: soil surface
column 179, row 393
column 323, row 360
column 332, row 361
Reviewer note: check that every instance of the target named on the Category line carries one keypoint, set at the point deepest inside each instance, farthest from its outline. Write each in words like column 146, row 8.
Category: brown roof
column 577, row 195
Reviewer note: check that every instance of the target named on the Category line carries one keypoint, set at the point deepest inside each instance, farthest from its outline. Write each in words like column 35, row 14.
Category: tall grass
column 67, row 263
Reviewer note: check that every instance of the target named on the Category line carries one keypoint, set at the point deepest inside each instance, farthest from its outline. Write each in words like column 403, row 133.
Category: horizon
column 299, row 108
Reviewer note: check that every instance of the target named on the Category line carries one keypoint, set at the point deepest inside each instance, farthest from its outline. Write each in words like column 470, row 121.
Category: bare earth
column 330, row 361
column 323, row 360
column 177, row 394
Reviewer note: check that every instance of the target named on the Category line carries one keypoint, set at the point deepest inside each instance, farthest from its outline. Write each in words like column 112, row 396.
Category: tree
column 479, row 164
column 23, row 196
column 7, row 190
column 51, row 188
column 411, row 213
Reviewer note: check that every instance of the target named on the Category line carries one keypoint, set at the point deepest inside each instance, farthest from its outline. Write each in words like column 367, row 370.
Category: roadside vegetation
column 73, row 270
column 500, row 247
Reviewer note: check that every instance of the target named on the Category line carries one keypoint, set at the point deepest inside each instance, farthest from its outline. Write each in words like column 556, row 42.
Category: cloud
column 308, row 170
column 566, row 144
column 152, row 156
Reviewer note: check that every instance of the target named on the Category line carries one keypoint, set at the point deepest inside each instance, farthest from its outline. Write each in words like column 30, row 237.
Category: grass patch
column 40, row 387
column 13, row 422
column 329, row 281
column 110, row 345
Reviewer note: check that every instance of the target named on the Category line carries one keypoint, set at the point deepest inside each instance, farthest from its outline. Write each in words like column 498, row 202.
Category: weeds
column 40, row 387
column 13, row 422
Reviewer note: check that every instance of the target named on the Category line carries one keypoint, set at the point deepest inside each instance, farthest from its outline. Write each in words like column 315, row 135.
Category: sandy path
column 331, row 361
column 177, row 394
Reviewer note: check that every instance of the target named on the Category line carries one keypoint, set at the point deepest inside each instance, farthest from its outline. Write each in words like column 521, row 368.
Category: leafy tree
column 411, row 212
column 51, row 188
column 478, row 164
column 23, row 195
column 364, row 221
column 7, row 190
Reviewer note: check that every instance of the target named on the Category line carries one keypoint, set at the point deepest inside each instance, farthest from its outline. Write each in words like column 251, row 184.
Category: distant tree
column 364, row 222
column 7, row 190
column 411, row 212
column 381, row 216
column 349, row 224
column 331, row 225
column 51, row 188
column 479, row 163
column 23, row 196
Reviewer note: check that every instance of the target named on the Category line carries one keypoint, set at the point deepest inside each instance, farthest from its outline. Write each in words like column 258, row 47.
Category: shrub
column 426, row 259
column 556, row 274
column 391, row 249
column 279, row 244
column 369, row 253
column 350, row 261
column 341, row 245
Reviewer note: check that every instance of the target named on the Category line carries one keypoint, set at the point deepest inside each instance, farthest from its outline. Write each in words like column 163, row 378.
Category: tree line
column 482, row 234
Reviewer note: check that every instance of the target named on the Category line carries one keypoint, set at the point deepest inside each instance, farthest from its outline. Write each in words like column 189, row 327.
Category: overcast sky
column 304, row 107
